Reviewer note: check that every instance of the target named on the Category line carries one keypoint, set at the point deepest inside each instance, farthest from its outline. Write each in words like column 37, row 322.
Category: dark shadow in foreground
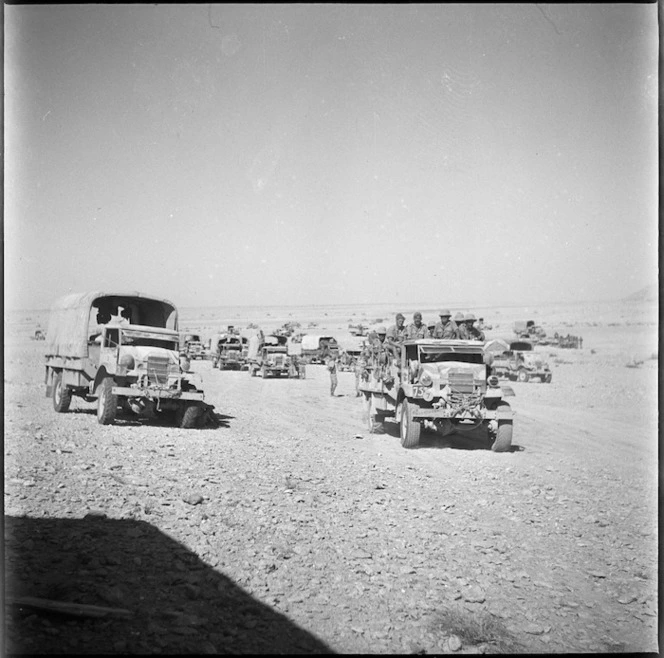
column 176, row 602
column 473, row 440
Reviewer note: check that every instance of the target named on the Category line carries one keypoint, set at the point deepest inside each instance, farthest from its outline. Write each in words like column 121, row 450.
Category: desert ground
column 290, row 529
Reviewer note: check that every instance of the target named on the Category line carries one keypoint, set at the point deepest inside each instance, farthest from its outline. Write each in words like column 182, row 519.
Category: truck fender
column 99, row 377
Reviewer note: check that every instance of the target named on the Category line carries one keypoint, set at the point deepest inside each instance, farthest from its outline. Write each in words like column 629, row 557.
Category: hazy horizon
column 298, row 155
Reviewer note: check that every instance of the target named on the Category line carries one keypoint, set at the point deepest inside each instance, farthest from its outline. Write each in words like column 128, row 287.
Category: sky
column 296, row 154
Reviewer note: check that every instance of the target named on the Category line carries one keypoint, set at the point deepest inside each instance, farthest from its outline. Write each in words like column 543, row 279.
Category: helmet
column 416, row 315
column 400, row 316
column 470, row 317
column 445, row 312
column 459, row 317
column 381, row 329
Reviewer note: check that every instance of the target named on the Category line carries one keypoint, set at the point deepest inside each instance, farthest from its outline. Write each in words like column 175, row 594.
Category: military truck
column 269, row 356
column 192, row 345
column 316, row 347
column 228, row 352
column 521, row 363
column 122, row 350
column 445, row 384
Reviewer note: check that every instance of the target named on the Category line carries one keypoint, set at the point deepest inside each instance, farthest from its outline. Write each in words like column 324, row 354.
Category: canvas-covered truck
column 228, row 351
column 445, row 384
column 316, row 347
column 271, row 356
column 122, row 350
column 522, row 363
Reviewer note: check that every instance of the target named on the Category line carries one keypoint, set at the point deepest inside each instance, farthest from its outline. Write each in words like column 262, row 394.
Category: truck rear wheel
column 61, row 394
column 107, row 403
column 410, row 428
column 503, row 440
column 522, row 375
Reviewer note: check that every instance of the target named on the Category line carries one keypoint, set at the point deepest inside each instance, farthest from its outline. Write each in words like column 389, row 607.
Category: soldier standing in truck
column 446, row 328
column 417, row 329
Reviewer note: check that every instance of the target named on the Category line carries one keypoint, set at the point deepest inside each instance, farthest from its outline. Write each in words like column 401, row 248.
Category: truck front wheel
column 107, row 403
column 410, row 428
column 503, row 440
column 522, row 375
column 61, row 394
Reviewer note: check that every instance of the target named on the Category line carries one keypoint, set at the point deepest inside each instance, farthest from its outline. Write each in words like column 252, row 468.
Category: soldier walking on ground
column 417, row 329
column 446, row 328
column 332, row 366
column 360, row 366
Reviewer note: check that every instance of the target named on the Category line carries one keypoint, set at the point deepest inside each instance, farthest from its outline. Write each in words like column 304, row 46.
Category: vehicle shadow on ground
column 174, row 601
column 435, row 441
column 127, row 420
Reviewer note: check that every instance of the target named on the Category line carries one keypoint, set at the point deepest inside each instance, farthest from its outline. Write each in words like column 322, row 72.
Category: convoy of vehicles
column 122, row 350
column 444, row 383
column 521, row 363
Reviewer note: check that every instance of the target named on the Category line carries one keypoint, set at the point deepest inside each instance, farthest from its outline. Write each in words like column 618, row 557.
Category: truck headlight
column 425, row 379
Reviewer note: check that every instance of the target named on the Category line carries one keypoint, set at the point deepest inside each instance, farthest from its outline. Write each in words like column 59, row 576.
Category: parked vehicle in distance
column 269, row 356
column 192, row 345
column 445, row 383
column 521, row 363
column 316, row 347
column 228, row 352
column 121, row 349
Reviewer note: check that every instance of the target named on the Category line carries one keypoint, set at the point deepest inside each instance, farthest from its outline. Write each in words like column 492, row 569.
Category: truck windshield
column 440, row 354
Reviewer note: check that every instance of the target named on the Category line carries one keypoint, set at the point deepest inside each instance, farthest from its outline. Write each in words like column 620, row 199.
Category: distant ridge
column 648, row 294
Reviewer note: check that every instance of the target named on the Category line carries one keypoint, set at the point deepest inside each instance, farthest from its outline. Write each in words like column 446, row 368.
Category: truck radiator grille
column 158, row 370
column 461, row 382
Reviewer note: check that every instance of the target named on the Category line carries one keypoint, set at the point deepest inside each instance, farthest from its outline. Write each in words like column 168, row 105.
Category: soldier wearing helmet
column 417, row 329
column 473, row 331
column 446, row 328
column 460, row 319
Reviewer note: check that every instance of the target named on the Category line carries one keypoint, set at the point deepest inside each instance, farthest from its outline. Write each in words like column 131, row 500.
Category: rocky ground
column 290, row 529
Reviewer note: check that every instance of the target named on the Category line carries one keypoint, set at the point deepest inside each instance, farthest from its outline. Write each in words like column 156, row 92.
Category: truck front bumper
column 158, row 393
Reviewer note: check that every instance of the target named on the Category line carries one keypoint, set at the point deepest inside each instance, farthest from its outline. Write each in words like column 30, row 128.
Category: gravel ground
column 283, row 531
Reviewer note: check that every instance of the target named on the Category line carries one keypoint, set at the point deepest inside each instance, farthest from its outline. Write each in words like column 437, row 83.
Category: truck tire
column 548, row 378
column 522, row 375
column 188, row 416
column 503, row 440
column 252, row 371
column 410, row 428
column 263, row 372
column 61, row 394
column 107, row 403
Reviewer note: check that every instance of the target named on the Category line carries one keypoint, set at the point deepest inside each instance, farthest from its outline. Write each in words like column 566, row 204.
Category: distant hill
column 647, row 294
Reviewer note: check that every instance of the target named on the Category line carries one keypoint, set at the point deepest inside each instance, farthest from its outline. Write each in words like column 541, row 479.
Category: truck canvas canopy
column 74, row 316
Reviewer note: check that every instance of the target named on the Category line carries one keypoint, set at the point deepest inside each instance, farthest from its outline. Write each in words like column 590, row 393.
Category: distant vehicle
column 228, row 352
column 521, row 363
column 192, row 345
column 528, row 330
column 349, row 351
column 446, row 383
column 39, row 334
column 121, row 349
column 270, row 356
column 316, row 347
column 358, row 329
